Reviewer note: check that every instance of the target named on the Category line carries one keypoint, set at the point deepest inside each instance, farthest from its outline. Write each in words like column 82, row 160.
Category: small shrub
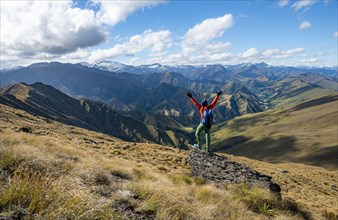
column 102, row 179
column 121, row 174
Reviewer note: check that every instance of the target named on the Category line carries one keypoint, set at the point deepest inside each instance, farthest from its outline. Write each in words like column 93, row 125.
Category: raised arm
column 212, row 105
column 194, row 101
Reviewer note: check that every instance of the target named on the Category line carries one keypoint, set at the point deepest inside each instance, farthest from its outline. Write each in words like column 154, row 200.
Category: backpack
column 207, row 118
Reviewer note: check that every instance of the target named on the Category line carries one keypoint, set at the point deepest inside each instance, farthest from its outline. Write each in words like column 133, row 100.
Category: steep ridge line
column 44, row 100
column 219, row 169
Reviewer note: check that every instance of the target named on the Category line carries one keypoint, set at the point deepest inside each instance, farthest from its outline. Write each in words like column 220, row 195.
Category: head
column 205, row 103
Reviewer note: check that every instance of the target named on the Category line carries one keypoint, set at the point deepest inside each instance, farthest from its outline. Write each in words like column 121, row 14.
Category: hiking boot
column 196, row 146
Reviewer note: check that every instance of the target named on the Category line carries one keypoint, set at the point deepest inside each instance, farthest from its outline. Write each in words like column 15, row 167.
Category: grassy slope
column 65, row 171
column 306, row 133
column 312, row 93
column 312, row 187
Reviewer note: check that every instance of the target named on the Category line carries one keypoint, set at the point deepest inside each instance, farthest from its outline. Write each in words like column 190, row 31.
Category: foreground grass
column 37, row 183
column 54, row 171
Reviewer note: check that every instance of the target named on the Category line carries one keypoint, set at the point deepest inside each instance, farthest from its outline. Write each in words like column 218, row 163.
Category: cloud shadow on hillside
column 268, row 148
column 279, row 149
column 315, row 102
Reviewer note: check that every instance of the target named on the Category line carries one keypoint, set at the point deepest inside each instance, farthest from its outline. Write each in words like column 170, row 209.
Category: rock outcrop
column 221, row 170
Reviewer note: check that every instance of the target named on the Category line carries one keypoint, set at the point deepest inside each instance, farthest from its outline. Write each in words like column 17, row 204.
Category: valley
column 304, row 133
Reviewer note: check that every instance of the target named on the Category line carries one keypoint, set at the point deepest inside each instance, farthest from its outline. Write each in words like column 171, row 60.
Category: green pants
column 198, row 132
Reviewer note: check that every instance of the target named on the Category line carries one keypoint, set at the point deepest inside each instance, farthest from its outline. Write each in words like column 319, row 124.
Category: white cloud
column 155, row 42
column 253, row 55
column 31, row 27
column 310, row 61
column 10, row 60
column 252, row 52
column 304, row 25
column 77, row 56
column 199, row 35
column 112, row 12
column 303, row 4
column 283, row 3
column 52, row 29
column 218, row 47
column 282, row 54
column 335, row 34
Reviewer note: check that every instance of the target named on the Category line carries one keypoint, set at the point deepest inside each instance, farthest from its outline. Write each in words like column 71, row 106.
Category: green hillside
column 305, row 133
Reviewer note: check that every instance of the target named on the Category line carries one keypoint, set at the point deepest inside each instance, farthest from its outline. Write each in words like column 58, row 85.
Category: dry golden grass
column 313, row 188
column 57, row 171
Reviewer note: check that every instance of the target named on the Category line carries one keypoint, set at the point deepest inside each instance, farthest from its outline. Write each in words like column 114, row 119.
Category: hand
column 219, row 92
column 189, row 94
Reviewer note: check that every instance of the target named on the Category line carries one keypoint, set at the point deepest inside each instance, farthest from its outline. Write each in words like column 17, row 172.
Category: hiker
column 206, row 119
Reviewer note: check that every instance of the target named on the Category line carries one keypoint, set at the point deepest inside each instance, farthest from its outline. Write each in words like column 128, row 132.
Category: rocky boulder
column 221, row 170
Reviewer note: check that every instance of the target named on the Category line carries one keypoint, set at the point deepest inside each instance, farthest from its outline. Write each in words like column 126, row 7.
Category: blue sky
column 285, row 32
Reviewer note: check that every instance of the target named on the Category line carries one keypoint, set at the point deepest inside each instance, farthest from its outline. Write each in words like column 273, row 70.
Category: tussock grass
column 122, row 174
column 208, row 195
column 141, row 173
column 42, row 195
column 61, row 175
column 31, row 191
column 267, row 203
column 305, row 189
column 180, row 179
column 9, row 161
column 172, row 200
column 260, row 200
column 33, row 182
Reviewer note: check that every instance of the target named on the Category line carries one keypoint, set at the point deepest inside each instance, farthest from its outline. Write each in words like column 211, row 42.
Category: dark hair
column 205, row 103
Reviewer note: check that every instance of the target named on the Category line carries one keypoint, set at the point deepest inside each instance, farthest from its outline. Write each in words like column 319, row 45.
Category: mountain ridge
column 46, row 101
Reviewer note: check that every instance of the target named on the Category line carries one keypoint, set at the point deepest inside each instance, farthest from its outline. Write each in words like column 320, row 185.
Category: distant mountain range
column 113, row 66
column 161, row 89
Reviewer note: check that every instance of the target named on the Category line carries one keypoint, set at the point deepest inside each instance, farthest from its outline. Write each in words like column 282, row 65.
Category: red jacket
column 201, row 108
